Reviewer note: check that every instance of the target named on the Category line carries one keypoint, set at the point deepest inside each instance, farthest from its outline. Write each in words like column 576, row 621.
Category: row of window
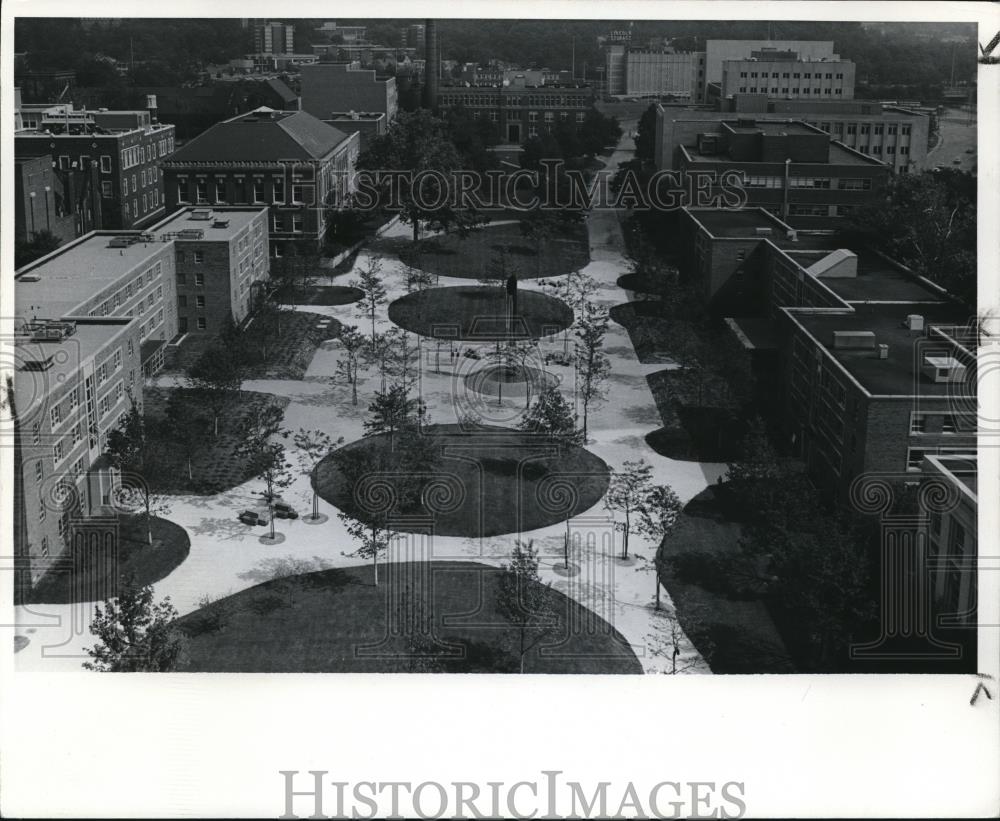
column 130, row 289
column 259, row 193
column 777, row 181
column 488, row 101
column 806, row 91
column 182, row 301
column 795, row 75
column 138, row 154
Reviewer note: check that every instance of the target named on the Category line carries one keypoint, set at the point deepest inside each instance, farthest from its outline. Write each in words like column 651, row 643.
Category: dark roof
column 282, row 90
column 263, row 135
column 878, row 280
column 899, row 374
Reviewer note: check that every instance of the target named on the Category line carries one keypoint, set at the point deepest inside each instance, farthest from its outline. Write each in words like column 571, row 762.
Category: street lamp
column 32, row 201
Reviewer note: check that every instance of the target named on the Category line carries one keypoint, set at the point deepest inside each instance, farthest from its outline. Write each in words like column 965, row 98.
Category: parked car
column 283, row 510
column 970, row 150
column 252, row 517
column 957, row 161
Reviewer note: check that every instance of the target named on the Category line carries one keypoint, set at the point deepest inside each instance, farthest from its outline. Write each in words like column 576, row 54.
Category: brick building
column 366, row 124
column 125, row 147
column 330, row 87
column 71, row 388
column 718, row 51
column 289, row 161
column 221, row 265
column 645, row 72
column 517, row 113
column 794, row 170
column 897, row 136
column 42, row 203
column 274, row 38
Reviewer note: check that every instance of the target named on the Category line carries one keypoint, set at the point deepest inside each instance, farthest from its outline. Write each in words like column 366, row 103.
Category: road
column 958, row 135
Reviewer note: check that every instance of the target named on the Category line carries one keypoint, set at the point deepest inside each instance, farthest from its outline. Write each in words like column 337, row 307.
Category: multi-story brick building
column 125, row 146
column 653, row 72
column 289, row 161
column 274, row 38
column 952, row 536
column 897, row 136
column 41, row 203
column 71, row 387
column 718, row 51
column 792, row 169
column 516, row 113
column 106, row 274
column 786, row 74
column 872, row 363
column 367, row 124
column 344, row 86
column 221, row 265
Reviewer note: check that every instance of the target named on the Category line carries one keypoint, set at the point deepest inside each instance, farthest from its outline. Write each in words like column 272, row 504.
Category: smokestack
column 432, row 67
column 151, row 107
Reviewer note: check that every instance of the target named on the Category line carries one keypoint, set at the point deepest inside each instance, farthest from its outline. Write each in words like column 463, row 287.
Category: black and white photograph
column 565, row 351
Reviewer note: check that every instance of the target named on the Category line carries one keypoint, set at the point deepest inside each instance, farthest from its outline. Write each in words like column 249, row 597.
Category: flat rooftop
column 76, row 272
column 238, row 219
column 741, row 222
column 877, row 281
column 899, row 374
column 91, row 336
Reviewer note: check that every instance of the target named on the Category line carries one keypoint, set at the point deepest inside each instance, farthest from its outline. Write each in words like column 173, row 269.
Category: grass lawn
column 215, row 465
column 276, row 348
column 479, row 312
column 735, row 635
column 326, row 295
column 337, row 621
column 478, row 255
column 494, row 481
column 89, row 576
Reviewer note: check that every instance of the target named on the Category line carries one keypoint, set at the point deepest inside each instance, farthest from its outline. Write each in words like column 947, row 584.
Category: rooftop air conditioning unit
column 943, row 369
column 863, row 340
column 883, row 351
column 220, row 223
column 29, row 278
column 120, row 242
column 792, row 235
column 915, row 322
column 191, row 233
column 201, row 214
column 51, row 331
column 763, row 232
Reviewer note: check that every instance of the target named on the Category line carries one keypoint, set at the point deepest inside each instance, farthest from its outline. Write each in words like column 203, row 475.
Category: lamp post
column 48, row 225
column 31, row 199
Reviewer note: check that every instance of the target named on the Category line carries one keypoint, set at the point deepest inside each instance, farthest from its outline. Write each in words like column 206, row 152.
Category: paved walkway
column 227, row 556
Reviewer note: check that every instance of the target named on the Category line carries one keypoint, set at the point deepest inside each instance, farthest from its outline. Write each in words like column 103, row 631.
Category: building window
column 854, row 184
column 906, row 131
column 220, row 190
column 57, row 452
column 298, row 194
column 39, row 471
column 840, row 76
column 918, row 423
column 201, row 323
column 784, row 90
column 201, row 191
column 182, row 191
column 41, row 511
column 199, row 279
column 199, row 302
column 181, row 278
column 838, row 91
column 949, row 424
column 296, row 223
column 199, row 257
column 258, row 191
column 55, row 416
column 105, row 164
column 279, row 190
column 914, row 456
column 182, row 301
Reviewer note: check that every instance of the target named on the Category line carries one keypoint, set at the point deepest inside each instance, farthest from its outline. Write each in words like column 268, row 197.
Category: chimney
column 151, row 107
column 432, row 66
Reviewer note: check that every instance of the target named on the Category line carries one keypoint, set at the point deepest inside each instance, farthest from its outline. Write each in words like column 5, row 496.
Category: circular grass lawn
column 478, row 255
column 488, row 481
column 516, row 380
column 479, row 312
column 337, row 621
column 92, row 575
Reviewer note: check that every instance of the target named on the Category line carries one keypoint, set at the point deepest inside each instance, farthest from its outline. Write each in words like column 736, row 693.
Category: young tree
column 134, row 634
column 629, row 492
column 353, row 342
column 592, row 364
column 417, row 278
column 185, row 425
column 392, row 411
column 313, row 447
column 523, row 600
column 134, row 455
column 657, row 518
column 668, row 641
column 219, row 373
column 370, row 282
column 552, row 416
column 373, row 534
column 257, row 433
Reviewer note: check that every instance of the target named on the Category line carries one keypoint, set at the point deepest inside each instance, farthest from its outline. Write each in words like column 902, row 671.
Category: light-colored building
column 718, row 51
column 787, row 75
column 274, row 38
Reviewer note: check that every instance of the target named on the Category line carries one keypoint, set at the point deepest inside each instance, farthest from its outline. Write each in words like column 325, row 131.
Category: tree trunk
column 315, row 506
column 354, row 390
column 270, row 511
column 190, row 470
column 149, row 523
column 216, row 422
column 625, row 541
column 375, row 556
column 416, row 230
column 522, row 650
column 585, row 421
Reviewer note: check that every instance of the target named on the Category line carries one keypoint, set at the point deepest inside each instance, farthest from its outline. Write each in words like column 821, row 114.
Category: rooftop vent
column 858, row 340
column 29, row 278
column 221, row 223
column 943, row 369
column 191, row 233
column 914, row 322
column 123, row 241
column 201, row 214
column 883, row 351
column 763, row 232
